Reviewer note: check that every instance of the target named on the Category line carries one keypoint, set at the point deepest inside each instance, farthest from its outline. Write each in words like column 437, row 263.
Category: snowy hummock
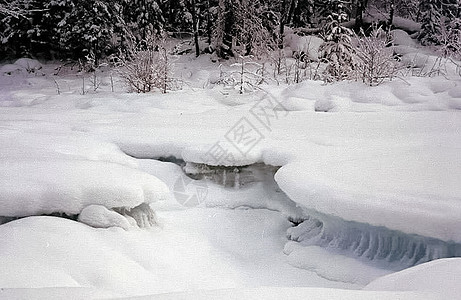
column 404, row 177
column 440, row 277
column 194, row 249
column 64, row 172
column 44, row 187
column 100, row 217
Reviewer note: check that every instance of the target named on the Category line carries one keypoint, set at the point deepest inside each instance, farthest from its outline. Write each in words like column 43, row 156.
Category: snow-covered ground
column 381, row 157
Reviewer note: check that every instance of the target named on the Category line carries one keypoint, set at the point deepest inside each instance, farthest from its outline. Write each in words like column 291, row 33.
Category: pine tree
column 431, row 20
column 245, row 27
column 86, row 26
column 337, row 50
column 143, row 18
column 19, row 24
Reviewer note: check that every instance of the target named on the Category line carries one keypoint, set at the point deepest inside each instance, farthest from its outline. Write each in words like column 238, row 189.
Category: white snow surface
column 440, row 276
column 100, row 217
column 64, row 172
column 194, row 249
column 386, row 156
column 44, row 187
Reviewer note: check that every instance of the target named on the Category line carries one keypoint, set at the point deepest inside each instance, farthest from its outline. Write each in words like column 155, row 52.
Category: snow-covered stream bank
column 253, row 186
column 380, row 167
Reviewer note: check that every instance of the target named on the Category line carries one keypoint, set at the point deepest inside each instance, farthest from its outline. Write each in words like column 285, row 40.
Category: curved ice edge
column 376, row 245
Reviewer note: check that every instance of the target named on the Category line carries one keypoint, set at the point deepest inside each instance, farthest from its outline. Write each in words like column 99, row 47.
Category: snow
column 64, row 172
column 406, row 24
column 288, row 293
column 229, row 293
column 194, row 249
column 330, row 266
column 390, row 182
column 31, row 65
column 44, row 187
column 402, row 38
column 441, row 276
column 309, row 45
column 22, row 65
column 386, row 156
column 100, row 217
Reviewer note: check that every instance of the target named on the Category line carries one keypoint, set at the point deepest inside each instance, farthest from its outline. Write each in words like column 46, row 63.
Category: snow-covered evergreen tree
column 143, row 18
column 245, row 27
column 87, row 26
column 431, row 21
column 19, row 22
column 337, row 50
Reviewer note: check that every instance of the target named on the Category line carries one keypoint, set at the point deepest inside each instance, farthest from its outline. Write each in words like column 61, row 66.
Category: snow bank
column 309, row 45
column 402, row 38
column 330, row 266
column 276, row 293
column 368, row 189
column 45, row 187
column 406, row 24
column 196, row 249
column 42, row 173
column 413, row 94
column 22, row 65
column 65, row 253
column 44, row 142
column 441, row 277
column 30, row 65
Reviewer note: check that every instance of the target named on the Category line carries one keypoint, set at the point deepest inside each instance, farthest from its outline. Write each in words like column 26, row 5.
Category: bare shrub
column 147, row 67
column 450, row 38
column 376, row 61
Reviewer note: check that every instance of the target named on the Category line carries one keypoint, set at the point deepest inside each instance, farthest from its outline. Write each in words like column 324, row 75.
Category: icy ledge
column 374, row 245
column 321, row 235
column 397, row 192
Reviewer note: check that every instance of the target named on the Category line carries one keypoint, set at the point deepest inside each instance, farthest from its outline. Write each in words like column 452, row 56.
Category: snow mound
column 400, row 37
column 45, row 187
column 22, row 65
column 330, row 266
column 440, row 276
column 406, row 24
column 30, row 65
column 308, row 45
column 11, row 69
column 26, row 145
column 324, row 105
column 64, row 172
column 417, row 199
column 100, row 217
column 64, row 253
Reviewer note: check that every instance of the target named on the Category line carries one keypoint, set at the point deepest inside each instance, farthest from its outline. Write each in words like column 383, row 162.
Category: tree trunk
column 391, row 15
column 293, row 4
column 195, row 26
column 208, row 22
column 283, row 18
column 359, row 15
